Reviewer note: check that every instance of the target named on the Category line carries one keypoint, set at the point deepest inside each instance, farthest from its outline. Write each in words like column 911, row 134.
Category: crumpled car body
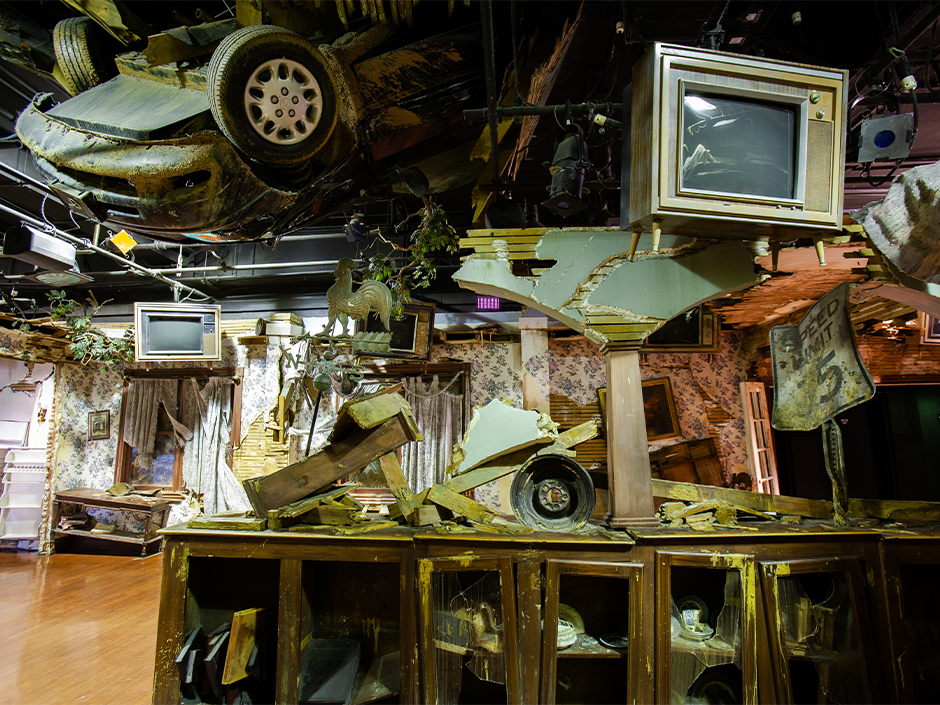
column 180, row 178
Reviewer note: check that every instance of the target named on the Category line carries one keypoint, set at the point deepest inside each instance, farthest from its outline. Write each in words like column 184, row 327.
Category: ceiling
column 606, row 39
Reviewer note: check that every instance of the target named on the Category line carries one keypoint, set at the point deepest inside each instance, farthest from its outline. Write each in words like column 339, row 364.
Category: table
column 156, row 510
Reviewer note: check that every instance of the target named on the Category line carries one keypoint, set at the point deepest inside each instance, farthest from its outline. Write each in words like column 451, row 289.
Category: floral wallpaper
column 496, row 373
column 496, row 370
column 578, row 369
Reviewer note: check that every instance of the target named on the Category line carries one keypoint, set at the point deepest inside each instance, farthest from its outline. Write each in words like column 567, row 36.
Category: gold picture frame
column 659, row 409
column 99, row 425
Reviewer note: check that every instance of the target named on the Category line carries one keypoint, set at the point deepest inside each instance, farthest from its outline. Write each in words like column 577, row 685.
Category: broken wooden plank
column 504, row 527
column 812, row 508
column 711, row 505
column 223, row 522
column 333, row 516
column 423, row 515
column 458, row 504
column 894, row 510
column 399, row 486
column 337, row 460
column 371, row 411
column 363, row 528
column 296, row 509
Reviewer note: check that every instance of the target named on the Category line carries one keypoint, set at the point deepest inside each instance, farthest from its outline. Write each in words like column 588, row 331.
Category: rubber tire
column 233, row 62
column 77, row 43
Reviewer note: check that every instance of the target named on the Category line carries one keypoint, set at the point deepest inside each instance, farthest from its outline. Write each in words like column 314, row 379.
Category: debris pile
column 304, row 496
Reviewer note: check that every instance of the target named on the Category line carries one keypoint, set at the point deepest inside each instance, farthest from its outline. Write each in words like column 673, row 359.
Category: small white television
column 165, row 332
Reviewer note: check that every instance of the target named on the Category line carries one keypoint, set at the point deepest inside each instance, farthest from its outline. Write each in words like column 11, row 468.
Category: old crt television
column 727, row 145
column 177, row 332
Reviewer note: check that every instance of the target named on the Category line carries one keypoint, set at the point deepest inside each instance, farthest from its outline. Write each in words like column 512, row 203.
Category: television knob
column 820, row 113
column 814, row 97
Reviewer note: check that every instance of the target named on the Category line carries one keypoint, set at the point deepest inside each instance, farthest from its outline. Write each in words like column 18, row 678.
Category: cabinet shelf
column 116, row 535
column 588, row 647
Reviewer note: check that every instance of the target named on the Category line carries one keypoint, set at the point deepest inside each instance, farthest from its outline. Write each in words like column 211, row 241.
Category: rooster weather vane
column 344, row 304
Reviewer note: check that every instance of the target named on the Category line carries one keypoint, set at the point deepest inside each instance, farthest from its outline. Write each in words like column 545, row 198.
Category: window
column 160, row 465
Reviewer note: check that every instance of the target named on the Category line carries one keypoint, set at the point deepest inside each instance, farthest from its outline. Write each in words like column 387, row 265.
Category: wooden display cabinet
column 818, row 620
column 911, row 576
column 607, row 599
column 473, row 616
column 697, row 659
column 467, row 613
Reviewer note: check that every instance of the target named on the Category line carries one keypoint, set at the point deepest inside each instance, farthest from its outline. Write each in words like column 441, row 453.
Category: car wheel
column 271, row 94
column 77, row 43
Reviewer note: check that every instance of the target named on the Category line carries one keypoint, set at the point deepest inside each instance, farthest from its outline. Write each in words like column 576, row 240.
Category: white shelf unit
column 23, row 485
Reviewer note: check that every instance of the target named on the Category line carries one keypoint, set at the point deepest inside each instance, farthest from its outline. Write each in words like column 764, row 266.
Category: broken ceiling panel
column 499, row 428
column 590, row 284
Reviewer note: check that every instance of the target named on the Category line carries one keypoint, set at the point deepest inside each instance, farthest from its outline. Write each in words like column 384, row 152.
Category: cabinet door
column 818, row 623
column 590, row 637
column 706, row 628
column 467, row 616
column 912, row 574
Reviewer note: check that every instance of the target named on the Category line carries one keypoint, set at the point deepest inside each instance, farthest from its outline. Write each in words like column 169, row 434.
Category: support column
column 535, row 385
column 630, row 488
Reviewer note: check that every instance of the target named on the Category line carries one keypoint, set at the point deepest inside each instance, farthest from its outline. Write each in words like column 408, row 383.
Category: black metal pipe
column 578, row 109
column 489, row 66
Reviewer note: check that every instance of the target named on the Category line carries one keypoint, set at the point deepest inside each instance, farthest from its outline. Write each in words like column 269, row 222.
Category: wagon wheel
column 272, row 95
column 552, row 492
column 77, row 43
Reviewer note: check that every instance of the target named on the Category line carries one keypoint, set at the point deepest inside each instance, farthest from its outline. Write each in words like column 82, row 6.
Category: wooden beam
column 397, row 483
column 337, row 460
column 461, row 505
column 688, row 492
column 894, row 510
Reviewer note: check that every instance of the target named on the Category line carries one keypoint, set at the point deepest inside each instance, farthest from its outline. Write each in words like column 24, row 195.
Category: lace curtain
column 202, row 429
column 205, row 465
column 439, row 410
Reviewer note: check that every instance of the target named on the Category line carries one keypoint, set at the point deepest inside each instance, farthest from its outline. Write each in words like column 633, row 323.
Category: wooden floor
column 77, row 628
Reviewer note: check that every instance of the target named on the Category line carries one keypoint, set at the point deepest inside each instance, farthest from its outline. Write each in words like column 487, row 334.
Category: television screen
column 735, row 145
column 175, row 333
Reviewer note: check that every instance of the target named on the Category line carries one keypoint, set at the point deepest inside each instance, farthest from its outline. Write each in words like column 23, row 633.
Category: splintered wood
column 302, row 496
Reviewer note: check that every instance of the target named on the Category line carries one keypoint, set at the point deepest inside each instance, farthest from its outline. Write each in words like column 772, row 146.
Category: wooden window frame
column 123, row 456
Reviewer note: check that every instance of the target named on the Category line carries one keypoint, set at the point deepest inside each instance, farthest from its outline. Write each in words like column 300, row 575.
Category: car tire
column 77, row 43
column 271, row 94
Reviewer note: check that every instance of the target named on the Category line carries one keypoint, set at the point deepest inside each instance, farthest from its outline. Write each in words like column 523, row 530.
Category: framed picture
column 659, row 408
column 695, row 330
column 411, row 334
column 931, row 328
column 99, row 425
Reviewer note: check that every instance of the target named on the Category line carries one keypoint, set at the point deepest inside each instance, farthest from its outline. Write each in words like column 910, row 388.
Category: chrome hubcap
column 283, row 101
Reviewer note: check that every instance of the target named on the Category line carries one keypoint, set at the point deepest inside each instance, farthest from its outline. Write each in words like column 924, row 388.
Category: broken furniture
column 154, row 509
column 797, row 610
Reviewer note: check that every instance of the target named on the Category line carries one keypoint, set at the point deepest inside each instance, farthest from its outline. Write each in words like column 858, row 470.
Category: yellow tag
column 124, row 242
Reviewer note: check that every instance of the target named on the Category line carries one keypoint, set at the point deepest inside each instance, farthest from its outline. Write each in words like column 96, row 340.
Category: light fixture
column 886, row 138
column 567, row 169
column 356, row 230
column 488, row 303
column 59, row 278
column 39, row 248
column 504, row 212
